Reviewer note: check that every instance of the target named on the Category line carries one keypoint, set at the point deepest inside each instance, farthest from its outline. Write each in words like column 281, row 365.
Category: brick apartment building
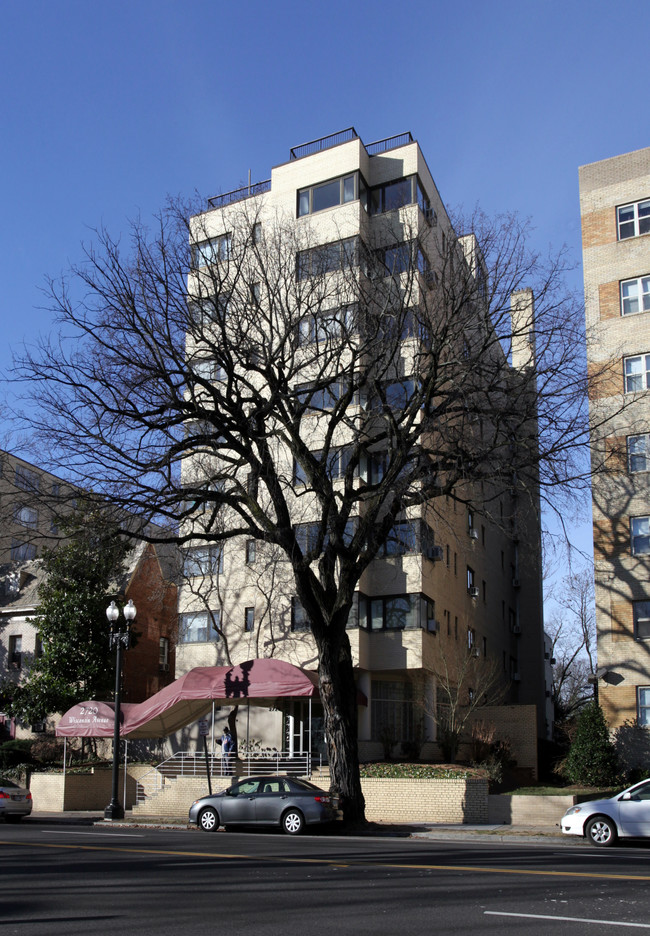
column 615, row 212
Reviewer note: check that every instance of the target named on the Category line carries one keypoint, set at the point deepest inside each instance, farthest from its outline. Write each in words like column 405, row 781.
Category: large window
column 327, row 258
column 21, row 550
column 640, row 535
column 27, row 516
column 211, row 250
column 638, row 453
column 199, row 626
column 26, row 479
column 643, row 705
column 393, row 711
column 641, row 620
column 16, row 651
column 397, row 612
column 328, row 194
column 637, row 373
column 203, row 560
column 299, row 619
column 337, row 465
column 635, row 295
column 333, row 324
column 633, row 219
column 397, row 193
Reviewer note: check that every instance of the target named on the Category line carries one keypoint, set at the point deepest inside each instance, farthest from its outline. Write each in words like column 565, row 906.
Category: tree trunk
column 339, row 697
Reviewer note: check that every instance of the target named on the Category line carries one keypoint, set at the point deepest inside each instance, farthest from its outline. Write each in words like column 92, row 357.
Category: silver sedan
column 288, row 802
column 15, row 801
column 626, row 815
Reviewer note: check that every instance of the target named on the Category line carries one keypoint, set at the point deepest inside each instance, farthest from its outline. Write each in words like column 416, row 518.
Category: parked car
column 289, row 802
column 15, row 801
column 603, row 821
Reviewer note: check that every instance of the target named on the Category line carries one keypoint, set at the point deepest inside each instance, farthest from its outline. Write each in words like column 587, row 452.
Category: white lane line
column 565, row 919
column 102, row 834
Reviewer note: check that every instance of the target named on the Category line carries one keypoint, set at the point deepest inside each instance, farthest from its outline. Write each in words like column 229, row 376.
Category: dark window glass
column 326, row 196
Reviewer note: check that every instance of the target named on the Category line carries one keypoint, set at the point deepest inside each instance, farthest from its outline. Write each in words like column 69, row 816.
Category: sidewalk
column 441, row 832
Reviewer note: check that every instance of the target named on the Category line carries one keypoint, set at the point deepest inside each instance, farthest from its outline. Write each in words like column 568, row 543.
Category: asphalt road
column 69, row 880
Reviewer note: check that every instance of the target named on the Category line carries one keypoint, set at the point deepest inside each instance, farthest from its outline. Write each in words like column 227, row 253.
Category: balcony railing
column 381, row 146
column 247, row 191
column 323, row 143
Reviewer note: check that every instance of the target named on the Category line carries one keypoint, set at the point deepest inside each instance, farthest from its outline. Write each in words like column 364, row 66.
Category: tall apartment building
column 615, row 211
column 454, row 582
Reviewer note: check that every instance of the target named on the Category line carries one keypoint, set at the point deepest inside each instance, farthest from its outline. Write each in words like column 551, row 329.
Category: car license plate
column 17, row 797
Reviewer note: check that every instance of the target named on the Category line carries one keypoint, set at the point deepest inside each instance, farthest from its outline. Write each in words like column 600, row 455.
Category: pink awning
column 256, row 682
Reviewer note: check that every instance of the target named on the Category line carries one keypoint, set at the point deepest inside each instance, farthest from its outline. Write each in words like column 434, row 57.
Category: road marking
column 564, row 919
column 332, row 862
column 100, row 834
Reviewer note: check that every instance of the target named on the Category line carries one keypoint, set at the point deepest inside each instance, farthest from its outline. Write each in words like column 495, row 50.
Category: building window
column 203, row 560
column 299, row 619
column 633, row 220
column 393, row 711
column 211, row 250
column 205, row 368
column 399, row 612
column 257, row 233
column 641, row 620
column 330, row 325
column 400, row 192
column 163, row 653
column 199, row 626
column 327, row 258
column 637, row 373
column 640, row 535
column 470, row 578
column 26, row 516
column 638, row 451
column 327, row 194
column 21, row 551
column 635, row 295
column 250, row 551
column 643, row 705
column 249, row 620
column 25, row 479
column 38, row 647
column 16, row 651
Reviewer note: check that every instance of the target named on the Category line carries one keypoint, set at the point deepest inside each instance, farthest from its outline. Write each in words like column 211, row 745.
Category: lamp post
column 119, row 637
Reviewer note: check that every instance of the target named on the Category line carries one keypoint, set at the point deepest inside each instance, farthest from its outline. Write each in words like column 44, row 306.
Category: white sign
column 204, row 727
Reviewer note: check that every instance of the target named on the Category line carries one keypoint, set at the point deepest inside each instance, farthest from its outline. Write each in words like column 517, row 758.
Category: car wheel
column 209, row 820
column 293, row 822
column 601, row 831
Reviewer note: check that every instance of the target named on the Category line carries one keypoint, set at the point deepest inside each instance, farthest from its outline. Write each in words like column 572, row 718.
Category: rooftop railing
column 323, row 143
column 381, row 146
column 247, row 191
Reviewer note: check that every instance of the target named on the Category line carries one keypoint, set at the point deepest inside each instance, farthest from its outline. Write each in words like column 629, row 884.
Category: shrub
column 632, row 743
column 592, row 758
column 48, row 751
column 15, row 753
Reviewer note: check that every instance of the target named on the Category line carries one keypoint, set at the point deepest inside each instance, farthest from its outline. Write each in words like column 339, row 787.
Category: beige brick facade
column 620, row 494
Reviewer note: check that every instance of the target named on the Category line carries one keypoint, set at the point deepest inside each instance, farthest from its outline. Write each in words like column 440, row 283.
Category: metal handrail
column 247, row 191
column 323, row 143
column 381, row 146
column 192, row 764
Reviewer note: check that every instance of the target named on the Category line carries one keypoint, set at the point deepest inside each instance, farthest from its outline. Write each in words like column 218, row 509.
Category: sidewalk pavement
column 441, row 832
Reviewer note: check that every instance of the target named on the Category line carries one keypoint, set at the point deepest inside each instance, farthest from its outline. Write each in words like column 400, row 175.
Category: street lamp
column 119, row 637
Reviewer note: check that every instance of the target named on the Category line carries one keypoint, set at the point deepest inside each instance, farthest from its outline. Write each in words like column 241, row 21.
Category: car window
column 302, row 785
column 274, row 786
column 5, row 781
column 246, row 787
column 642, row 792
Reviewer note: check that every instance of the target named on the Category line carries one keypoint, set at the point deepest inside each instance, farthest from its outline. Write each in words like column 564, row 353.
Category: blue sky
column 107, row 107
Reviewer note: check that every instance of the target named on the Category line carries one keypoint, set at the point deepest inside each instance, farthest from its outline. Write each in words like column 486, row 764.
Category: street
column 59, row 879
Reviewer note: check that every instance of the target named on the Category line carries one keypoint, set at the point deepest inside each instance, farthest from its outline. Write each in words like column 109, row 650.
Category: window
column 211, row 250
column 38, row 647
column 635, row 295
column 257, row 233
column 208, row 369
column 643, row 705
column 402, row 539
column 471, row 637
column 27, row 516
column 16, row 651
column 299, row 619
column 203, row 560
column 633, row 220
column 399, row 612
column 250, row 551
column 393, row 711
column 397, row 193
column 327, row 258
column 25, row 479
column 333, row 324
column 255, row 293
column 21, row 551
column 638, row 453
column 249, row 620
column 327, row 194
column 56, row 490
column 640, row 535
column 637, row 373
column 470, row 578
column 163, row 653
column 641, row 620
column 199, row 626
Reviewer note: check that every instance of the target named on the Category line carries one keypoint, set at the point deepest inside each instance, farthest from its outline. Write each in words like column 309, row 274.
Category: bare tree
column 315, row 398
column 573, row 643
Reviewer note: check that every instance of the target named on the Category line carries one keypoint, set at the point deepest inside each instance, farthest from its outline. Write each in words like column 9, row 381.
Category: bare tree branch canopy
column 319, row 399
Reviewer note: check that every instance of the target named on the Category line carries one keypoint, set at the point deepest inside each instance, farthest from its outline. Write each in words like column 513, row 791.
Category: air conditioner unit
column 516, row 629
column 473, row 591
column 548, row 693
column 431, row 216
column 473, row 534
column 515, row 583
column 164, row 667
column 476, row 652
column 433, row 626
column 553, row 661
column 435, row 553
column 516, row 677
